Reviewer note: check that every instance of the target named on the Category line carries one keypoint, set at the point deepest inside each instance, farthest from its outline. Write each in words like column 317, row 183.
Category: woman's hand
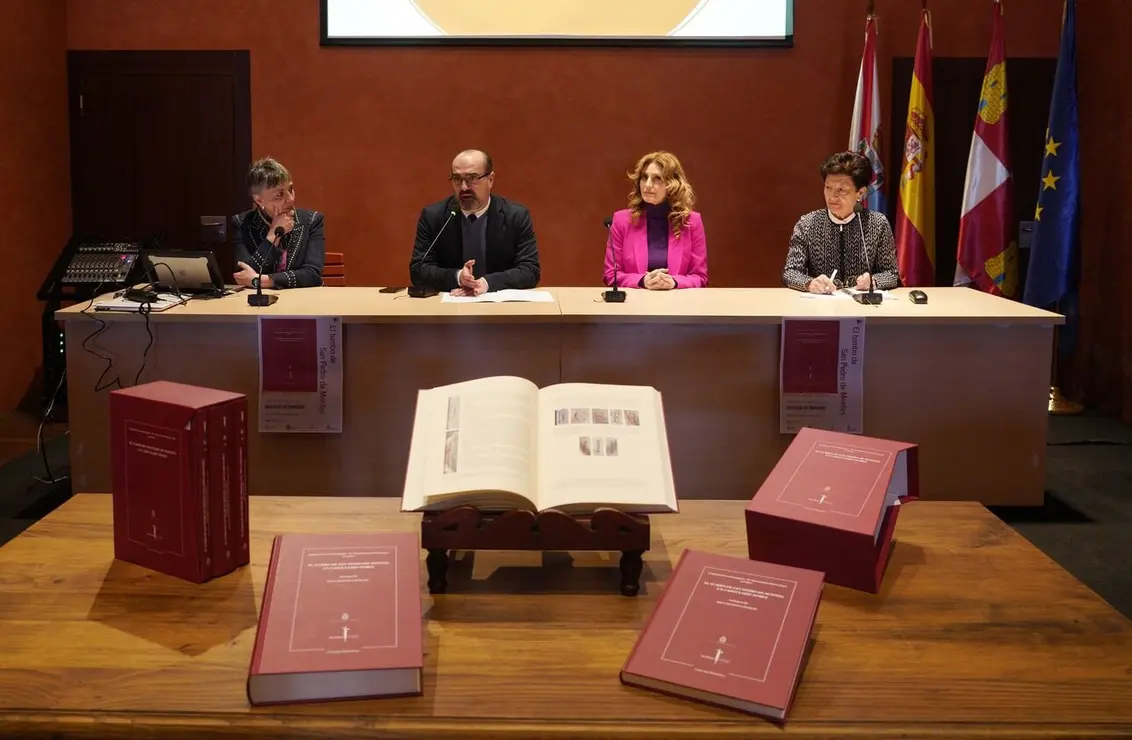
column 659, row 280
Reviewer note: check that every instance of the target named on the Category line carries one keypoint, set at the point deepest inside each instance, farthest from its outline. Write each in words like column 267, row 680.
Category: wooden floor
column 18, row 434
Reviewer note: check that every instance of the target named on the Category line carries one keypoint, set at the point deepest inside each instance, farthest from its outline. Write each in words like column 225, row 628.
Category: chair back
column 334, row 269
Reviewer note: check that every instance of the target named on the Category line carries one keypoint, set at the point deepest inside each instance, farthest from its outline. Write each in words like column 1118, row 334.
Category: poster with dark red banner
column 821, row 375
column 300, row 374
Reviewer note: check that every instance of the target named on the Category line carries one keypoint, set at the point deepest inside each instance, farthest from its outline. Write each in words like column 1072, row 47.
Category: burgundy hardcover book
column 166, row 474
column 729, row 632
column 239, row 472
column 340, row 619
column 831, row 504
column 228, row 443
column 223, row 528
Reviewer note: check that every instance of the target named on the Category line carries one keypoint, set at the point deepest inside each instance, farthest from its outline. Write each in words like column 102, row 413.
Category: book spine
column 239, row 439
column 118, row 461
column 198, row 458
column 221, row 485
column 265, row 606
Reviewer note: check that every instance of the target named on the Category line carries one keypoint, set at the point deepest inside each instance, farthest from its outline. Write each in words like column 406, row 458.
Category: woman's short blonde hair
column 266, row 174
column 681, row 197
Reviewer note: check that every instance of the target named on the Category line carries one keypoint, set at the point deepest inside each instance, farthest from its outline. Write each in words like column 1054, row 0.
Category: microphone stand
column 423, row 291
column 258, row 298
column 872, row 298
column 614, row 294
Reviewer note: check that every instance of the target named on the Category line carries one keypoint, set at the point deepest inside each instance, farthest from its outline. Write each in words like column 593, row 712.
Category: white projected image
column 734, row 20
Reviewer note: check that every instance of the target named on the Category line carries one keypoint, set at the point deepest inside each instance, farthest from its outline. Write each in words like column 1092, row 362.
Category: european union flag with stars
column 1051, row 275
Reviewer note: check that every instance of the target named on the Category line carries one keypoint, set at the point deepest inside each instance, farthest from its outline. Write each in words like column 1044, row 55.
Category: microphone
column 258, row 298
column 872, row 298
column 614, row 294
column 420, row 291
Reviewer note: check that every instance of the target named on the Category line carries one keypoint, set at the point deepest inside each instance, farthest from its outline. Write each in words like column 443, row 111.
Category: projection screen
column 587, row 22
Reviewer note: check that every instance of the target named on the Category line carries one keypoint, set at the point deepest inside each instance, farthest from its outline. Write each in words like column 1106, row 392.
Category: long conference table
column 965, row 376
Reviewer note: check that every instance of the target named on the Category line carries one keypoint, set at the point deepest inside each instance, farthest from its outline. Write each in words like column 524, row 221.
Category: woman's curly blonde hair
column 680, row 195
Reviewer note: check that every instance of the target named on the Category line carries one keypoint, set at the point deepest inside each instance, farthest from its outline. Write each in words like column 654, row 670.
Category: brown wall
column 34, row 176
column 369, row 132
column 1103, row 371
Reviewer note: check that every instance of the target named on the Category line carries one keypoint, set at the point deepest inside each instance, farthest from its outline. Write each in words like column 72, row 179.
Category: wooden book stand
column 467, row 528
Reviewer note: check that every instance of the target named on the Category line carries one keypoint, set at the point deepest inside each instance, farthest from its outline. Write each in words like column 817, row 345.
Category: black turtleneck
column 656, row 217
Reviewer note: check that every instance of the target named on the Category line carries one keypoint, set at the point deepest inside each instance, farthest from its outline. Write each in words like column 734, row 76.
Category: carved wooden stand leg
column 437, row 563
column 631, row 566
column 467, row 529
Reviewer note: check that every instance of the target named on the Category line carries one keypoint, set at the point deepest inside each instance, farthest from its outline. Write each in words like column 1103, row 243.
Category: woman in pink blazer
column 658, row 241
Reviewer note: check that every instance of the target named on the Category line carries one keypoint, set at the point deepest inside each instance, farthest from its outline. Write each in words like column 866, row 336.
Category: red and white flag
column 864, row 129
column 987, row 255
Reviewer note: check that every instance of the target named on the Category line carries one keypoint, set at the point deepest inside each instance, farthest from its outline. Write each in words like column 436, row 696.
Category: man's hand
column 246, row 275
column 863, row 281
column 659, row 280
column 465, row 279
column 821, row 284
column 479, row 287
column 286, row 220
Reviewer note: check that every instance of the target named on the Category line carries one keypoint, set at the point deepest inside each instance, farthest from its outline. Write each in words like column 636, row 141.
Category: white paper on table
column 501, row 296
column 848, row 293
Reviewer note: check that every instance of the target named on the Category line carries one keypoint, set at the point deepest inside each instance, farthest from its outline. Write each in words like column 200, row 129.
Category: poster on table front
column 300, row 374
column 821, row 375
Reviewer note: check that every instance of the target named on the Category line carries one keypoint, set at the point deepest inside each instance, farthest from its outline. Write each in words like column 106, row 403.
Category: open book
column 501, row 443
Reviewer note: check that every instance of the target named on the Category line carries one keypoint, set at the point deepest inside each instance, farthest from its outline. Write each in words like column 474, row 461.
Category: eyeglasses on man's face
column 467, row 179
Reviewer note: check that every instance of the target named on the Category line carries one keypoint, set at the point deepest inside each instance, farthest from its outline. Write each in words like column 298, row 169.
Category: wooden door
column 160, row 142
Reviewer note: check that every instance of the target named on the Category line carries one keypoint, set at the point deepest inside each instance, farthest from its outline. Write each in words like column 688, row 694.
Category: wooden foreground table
column 974, row 634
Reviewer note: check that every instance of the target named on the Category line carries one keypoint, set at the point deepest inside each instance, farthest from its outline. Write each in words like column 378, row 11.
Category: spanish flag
column 987, row 255
column 915, row 212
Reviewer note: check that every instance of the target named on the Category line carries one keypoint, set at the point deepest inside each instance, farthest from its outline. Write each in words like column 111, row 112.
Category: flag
column 915, row 213
column 864, row 129
column 987, row 254
column 1050, row 276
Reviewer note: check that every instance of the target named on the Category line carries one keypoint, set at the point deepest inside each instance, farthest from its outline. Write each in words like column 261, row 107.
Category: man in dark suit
column 485, row 241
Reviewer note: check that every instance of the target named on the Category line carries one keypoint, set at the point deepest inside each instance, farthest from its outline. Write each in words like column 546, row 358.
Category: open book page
column 603, row 445
column 897, row 489
column 473, row 443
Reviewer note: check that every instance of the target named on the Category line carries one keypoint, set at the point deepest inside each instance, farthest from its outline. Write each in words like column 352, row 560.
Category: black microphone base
column 615, row 295
column 417, row 291
column 262, row 299
column 869, row 299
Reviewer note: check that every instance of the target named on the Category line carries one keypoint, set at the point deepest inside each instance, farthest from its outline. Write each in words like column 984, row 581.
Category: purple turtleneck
column 656, row 218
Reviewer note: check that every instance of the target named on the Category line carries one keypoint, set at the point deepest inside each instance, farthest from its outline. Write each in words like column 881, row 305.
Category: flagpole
column 1059, row 405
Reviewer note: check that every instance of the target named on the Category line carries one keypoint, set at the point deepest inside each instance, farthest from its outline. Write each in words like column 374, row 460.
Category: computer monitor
column 184, row 271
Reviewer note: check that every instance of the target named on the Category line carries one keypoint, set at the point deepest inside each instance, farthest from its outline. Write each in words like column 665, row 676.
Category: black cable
column 1089, row 443
column 145, row 310
column 154, row 283
column 40, row 447
column 102, row 326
